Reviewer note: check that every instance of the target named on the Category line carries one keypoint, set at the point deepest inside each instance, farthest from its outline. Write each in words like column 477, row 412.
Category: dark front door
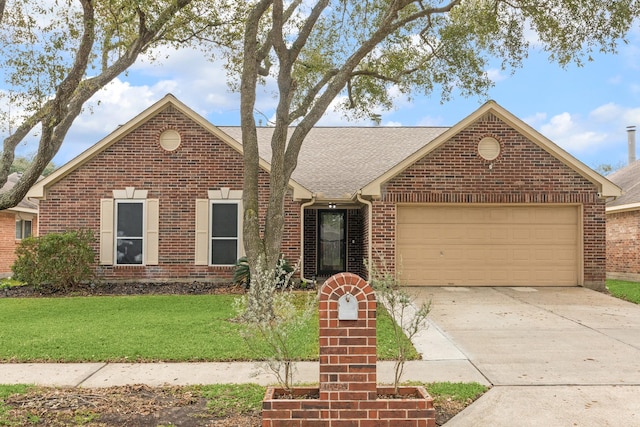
column 331, row 241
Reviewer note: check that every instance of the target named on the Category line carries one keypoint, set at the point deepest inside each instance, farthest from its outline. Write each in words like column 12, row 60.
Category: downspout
column 369, row 229
column 302, row 207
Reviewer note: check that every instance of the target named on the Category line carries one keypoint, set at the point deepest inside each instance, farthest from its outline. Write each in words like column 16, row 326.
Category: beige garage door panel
column 505, row 245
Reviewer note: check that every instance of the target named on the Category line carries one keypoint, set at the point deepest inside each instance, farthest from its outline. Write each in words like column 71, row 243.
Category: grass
column 629, row 291
column 459, row 392
column 140, row 329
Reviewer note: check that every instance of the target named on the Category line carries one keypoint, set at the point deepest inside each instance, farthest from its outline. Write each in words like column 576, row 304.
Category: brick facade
column 176, row 179
column 623, row 244
column 524, row 173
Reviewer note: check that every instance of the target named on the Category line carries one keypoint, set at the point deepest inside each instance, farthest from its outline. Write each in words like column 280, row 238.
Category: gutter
column 369, row 228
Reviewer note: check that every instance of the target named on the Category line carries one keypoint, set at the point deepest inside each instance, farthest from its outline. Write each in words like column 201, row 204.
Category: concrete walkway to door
column 555, row 356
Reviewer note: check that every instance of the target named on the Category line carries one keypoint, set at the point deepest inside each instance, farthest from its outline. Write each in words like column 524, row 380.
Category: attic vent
column 170, row 140
column 489, row 148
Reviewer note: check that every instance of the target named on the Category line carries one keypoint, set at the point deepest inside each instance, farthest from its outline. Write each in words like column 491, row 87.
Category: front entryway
column 331, row 241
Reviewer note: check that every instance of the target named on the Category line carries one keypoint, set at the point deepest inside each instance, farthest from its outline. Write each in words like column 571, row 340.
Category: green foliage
column 59, row 260
column 629, row 291
column 8, row 282
column 227, row 399
column 21, row 164
column 242, row 273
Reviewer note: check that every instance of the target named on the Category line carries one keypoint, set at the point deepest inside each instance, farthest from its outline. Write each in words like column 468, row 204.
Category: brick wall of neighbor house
column 7, row 242
column 523, row 173
column 177, row 179
column 623, row 243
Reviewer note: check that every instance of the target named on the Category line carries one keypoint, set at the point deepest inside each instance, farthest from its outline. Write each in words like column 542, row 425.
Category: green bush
column 58, row 260
column 242, row 274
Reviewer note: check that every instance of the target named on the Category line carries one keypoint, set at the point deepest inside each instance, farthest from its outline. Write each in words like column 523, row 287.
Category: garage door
column 489, row 245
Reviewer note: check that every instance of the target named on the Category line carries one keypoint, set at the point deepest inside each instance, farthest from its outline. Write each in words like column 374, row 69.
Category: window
column 218, row 228
column 129, row 228
column 225, row 232
column 23, row 228
column 129, row 231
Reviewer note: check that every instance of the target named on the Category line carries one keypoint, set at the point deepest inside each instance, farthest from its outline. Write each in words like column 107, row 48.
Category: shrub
column 58, row 260
column 242, row 274
column 273, row 317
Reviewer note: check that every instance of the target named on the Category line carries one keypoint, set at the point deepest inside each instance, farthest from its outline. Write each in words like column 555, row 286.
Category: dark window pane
column 27, row 229
column 224, row 221
column 224, row 252
column 19, row 229
column 129, row 251
column 129, row 219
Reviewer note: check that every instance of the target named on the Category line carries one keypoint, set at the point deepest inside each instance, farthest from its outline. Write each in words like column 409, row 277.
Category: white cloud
column 535, row 120
column 496, row 75
column 599, row 138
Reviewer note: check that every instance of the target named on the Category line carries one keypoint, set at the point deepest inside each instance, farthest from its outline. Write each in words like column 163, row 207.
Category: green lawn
column 629, row 291
column 140, row 329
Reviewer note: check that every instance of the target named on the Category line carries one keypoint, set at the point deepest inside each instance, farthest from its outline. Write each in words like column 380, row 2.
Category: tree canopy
column 56, row 54
column 364, row 52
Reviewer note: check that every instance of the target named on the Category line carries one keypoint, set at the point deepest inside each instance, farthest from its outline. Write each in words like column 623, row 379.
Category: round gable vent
column 489, row 148
column 170, row 140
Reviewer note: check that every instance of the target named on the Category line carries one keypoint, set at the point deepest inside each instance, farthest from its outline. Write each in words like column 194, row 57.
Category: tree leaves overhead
column 365, row 52
column 56, row 54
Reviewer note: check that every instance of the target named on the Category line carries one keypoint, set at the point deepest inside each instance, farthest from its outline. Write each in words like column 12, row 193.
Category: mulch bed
column 93, row 289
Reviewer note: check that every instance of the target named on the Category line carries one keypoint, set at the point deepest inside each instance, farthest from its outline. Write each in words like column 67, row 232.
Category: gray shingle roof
column 335, row 162
column 627, row 178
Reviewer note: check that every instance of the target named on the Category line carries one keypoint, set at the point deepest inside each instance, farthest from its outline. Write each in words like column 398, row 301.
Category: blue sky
column 584, row 110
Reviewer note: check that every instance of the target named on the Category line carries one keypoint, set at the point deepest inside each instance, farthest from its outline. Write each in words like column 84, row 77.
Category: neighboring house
column 488, row 201
column 623, row 226
column 16, row 224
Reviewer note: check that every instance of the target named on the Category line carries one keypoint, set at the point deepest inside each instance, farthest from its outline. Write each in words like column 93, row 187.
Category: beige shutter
column 106, row 231
column 202, row 232
column 151, row 241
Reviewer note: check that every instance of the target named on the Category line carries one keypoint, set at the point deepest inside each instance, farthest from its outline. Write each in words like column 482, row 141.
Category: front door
column 331, row 241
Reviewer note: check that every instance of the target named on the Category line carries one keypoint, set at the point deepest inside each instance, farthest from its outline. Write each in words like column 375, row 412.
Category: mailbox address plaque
column 347, row 307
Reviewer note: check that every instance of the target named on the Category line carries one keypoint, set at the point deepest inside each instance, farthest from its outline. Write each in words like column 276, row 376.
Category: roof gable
column 39, row 189
column 628, row 178
column 605, row 187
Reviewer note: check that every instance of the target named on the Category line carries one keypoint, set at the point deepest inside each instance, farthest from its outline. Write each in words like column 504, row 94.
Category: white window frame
column 238, row 237
column 143, row 238
column 22, row 222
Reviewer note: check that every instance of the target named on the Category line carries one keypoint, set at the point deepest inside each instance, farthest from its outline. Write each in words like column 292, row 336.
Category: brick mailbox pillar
column 347, row 315
column 348, row 391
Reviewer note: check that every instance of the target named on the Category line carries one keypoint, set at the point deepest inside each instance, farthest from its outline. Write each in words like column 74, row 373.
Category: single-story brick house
column 16, row 223
column 489, row 201
column 623, row 226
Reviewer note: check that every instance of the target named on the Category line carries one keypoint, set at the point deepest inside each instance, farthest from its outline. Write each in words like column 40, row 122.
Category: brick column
column 347, row 339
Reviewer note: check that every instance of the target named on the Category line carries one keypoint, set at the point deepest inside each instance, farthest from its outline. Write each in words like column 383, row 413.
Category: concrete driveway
column 555, row 356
